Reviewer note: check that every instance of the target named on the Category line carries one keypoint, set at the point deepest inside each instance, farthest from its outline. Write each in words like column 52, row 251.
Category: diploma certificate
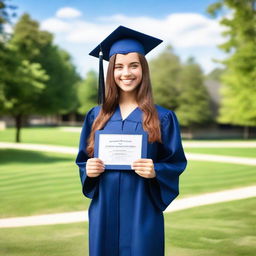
column 118, row 150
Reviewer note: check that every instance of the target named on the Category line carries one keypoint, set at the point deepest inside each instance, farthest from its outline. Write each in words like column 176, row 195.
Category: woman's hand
column 144, row 167
column 94, row 167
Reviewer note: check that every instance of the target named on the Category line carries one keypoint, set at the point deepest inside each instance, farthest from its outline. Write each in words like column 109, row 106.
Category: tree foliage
column 165, row 70
column 180, row 87
column 87, row 92
column 38, row 76
column 238, row 92
column 194, row 101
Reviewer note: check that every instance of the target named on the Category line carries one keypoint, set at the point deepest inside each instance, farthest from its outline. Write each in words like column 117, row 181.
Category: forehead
column 127, row 58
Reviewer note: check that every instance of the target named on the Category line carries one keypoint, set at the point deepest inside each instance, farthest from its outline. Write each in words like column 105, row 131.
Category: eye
column 118, row 67
column 135, row 65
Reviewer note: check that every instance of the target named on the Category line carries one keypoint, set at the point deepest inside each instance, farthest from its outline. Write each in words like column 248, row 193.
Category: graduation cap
column 122, row 40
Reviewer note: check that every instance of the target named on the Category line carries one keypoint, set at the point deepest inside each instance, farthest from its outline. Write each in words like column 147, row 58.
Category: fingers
column 94, row 167
column 95, row 160
column 143, row 164
column 144, row 167
column 144, row 160
column 145, row 174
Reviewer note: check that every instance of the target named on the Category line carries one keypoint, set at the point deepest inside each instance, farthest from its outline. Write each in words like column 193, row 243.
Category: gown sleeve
column 89, row 184
column 171, row 162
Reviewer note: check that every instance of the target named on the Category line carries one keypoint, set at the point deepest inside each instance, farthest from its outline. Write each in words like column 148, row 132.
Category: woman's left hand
column 144, row 167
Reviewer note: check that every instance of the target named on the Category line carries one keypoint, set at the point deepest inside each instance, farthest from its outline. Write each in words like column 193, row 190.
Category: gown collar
column 134, row 116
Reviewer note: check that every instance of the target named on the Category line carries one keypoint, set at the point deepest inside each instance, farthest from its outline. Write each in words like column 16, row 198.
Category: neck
column 128, row 98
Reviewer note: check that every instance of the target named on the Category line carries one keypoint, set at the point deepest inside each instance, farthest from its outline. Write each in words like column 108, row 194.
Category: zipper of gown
column 122, row 125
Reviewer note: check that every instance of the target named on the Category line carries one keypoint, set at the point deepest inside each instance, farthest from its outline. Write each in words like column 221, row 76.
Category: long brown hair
column 144, row 99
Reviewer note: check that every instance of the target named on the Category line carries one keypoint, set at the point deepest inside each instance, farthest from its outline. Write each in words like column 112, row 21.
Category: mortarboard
column 122, row 40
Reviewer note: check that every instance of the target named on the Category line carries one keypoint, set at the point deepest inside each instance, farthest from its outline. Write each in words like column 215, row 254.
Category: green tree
column 45, row 64
column 165, row 70
column 238, row 90
column 7, row 11
column 60, row 95
column 23, row 90
column 194, row 101
column 88, row 92
column 215, row 74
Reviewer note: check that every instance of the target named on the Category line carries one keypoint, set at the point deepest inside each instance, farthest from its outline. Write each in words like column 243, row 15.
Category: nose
column 126, row 71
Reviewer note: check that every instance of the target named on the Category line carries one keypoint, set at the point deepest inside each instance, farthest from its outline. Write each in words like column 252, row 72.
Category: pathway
column 176, row 205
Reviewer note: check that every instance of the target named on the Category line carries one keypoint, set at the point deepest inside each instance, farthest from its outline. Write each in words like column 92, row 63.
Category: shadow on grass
column 27, row 156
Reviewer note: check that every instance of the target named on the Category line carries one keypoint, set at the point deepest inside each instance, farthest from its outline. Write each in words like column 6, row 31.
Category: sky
column 80, row 25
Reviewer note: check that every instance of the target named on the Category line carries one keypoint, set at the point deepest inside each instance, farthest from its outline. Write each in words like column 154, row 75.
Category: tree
column 215, row 74
column 165, row 71
column 60, row 94
column 238, row 90
column 7, row 11
column 88, row 92
column 23, row 90
column 194, row 102
column 40, row 77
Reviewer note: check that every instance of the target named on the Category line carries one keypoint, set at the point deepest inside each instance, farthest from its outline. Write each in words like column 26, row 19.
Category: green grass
column 42, row 135
column 217, row 230
column 240, row 152
column 203, row 177
column 52, row 240
column 38, row 182
column 56, row 136
column 33, row 182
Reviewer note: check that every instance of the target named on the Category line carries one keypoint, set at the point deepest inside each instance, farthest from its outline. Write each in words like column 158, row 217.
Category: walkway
column 176, row 205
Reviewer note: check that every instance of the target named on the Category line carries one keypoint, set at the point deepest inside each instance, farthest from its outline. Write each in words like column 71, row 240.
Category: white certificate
column 119, row 149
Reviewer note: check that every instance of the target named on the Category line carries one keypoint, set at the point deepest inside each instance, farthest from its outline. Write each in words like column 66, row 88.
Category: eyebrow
column 135, row 62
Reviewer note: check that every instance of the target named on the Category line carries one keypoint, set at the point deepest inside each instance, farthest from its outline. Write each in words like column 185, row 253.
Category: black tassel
column 101, row 89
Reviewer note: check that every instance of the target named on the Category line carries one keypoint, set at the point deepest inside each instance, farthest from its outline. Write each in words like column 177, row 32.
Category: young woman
column 126, row 210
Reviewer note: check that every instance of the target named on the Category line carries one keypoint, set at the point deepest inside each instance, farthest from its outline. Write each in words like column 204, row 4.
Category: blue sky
column 79, row 25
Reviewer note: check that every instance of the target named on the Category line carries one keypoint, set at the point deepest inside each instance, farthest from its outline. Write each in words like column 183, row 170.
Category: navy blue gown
column 126, row 210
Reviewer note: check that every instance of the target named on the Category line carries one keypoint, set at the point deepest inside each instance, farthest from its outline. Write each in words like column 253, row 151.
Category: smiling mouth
column 127, row 81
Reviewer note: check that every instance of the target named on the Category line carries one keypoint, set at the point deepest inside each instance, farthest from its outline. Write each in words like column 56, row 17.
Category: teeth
column 126, row 81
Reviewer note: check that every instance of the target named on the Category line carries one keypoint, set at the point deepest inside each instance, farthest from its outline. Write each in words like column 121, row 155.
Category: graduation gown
column 126, row 210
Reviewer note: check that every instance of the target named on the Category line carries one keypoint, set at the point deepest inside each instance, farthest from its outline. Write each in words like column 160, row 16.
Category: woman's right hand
column 94, row 167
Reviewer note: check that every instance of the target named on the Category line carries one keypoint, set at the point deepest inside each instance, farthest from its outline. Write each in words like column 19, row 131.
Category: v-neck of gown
column 130, row 115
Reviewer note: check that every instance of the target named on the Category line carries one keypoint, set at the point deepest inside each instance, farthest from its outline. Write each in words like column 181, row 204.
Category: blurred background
column 205, row 71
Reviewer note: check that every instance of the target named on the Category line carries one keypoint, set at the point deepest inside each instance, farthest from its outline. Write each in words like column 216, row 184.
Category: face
column 127, row 71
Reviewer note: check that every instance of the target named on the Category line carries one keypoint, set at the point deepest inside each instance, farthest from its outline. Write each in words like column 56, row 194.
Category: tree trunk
column 18, row 124
column 246, row 132
column 190, row 133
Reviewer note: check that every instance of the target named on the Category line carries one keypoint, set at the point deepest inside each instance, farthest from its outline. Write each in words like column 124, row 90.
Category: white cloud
column 181, row 29
column 56, row 25
column 68, row 12
column 184, row 31
column 85, row 32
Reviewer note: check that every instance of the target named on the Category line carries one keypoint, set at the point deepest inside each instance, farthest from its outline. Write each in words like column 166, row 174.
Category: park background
column 205, row 71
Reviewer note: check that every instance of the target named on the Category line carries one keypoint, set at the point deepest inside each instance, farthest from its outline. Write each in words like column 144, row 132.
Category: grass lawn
column 42, row 135
column 214, row 230
column 38, row 182
column 240, row 152
column 56, row 136
column 204, row 177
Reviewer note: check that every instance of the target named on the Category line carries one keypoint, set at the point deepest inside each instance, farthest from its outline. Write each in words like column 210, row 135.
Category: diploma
column 119, row 150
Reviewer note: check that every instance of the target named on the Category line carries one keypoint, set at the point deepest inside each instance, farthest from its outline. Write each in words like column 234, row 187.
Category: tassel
column 101, row 88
